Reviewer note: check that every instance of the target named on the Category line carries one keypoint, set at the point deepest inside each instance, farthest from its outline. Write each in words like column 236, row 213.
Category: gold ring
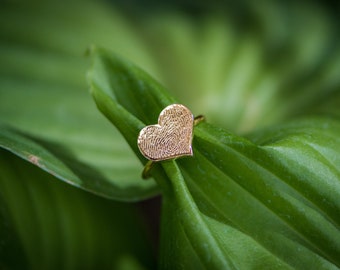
column 169, row 139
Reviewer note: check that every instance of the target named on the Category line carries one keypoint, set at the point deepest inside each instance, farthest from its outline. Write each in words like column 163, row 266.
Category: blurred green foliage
column 245, row 65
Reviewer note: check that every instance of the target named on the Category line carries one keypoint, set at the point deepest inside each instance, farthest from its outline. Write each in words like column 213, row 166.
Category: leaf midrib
column 184, row 199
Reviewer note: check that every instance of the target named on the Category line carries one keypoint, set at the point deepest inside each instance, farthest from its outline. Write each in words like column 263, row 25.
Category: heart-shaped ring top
column 171, row 137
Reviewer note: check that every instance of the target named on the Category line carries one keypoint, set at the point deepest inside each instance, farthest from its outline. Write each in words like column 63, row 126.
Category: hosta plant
column 262, row 189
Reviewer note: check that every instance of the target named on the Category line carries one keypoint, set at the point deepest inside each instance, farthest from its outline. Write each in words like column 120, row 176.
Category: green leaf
column 46, row 113
column 75, row 144
column 268, row 202
column 123, row 91
column 240, row 78
column 47, row 224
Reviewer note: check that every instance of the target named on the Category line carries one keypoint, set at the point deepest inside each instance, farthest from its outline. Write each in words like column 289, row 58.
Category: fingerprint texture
column 171, row 137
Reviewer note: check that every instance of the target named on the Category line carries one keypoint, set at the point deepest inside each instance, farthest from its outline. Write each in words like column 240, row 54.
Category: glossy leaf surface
column 268, row 201
column 46, row 112
column 241, row 78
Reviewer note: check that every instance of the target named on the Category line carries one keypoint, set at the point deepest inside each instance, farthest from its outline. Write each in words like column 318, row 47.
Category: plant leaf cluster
column 262, row 189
